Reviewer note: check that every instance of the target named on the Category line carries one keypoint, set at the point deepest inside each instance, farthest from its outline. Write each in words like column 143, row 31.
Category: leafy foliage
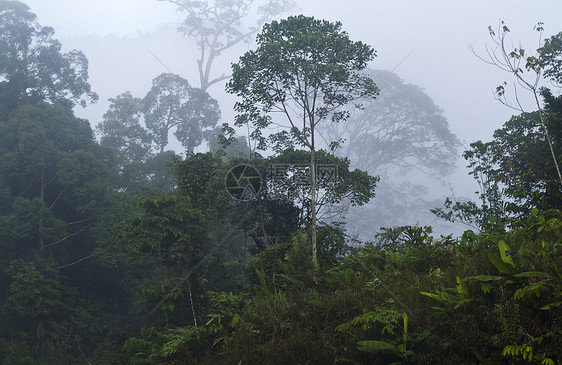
column 303, row 73
column 94, row 274
column 511, row 170
column 32, row 65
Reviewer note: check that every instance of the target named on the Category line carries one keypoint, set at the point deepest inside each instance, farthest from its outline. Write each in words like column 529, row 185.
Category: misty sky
column 435, row 34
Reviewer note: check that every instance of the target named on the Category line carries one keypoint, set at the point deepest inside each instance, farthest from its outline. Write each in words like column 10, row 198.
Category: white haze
column 426, row 42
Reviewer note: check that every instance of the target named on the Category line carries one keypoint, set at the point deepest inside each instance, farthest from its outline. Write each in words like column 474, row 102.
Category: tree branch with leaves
column 526, row 67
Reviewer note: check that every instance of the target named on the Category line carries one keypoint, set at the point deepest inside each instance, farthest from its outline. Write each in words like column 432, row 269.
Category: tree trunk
column 244, row 260
column 313, row 197
column 191, row 302
column 42, row 196
column 160, row 269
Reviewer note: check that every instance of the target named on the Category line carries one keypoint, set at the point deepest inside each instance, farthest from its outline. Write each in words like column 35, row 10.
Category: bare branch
column 75, row 262
column 66, row 237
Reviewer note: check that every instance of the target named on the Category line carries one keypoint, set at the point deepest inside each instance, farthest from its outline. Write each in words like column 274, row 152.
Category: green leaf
column 551, row 305
column 462, row 288
column 432, row 296
column 505, row 253
column 532, row 274
column 376, row 346
column 405, row 330
column 485, row 278
column 500, row 265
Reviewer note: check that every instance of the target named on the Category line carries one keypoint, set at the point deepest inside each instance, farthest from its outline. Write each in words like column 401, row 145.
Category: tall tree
column 55, row 172
column 32, row 64
column 306, row 69
column 173, row 103
column 128, row 143
column 216, row 26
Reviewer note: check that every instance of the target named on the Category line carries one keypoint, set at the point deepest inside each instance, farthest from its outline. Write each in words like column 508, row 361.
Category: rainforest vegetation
column 115, row 249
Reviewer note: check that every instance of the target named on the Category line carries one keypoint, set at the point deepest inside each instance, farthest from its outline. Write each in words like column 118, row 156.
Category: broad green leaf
column 532, row 274
column 500, row 265
column 405, row 330
column 376, row 346
column 462, row 288
column 432, row 296
column 485, row 278
column 505, row 253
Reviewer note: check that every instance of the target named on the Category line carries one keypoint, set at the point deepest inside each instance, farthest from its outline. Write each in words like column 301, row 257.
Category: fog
column 426, row 43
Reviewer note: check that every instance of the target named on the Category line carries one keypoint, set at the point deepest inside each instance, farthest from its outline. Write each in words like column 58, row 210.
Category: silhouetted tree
column 172, row 103
column 217, row 26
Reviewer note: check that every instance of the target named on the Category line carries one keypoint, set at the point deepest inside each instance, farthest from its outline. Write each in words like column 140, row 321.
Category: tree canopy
column 305, row 68
column 32, row 64
column 120, row 251
column 402, row 127
column 172, row 103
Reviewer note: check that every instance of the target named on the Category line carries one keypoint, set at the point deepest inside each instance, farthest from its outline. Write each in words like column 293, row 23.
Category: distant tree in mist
column 33, row 66
column 199, row 115
column 400, row 134
column 218, row 25
column 238, row 147
column 401, row 128
column 173, row 103
column 121, row 129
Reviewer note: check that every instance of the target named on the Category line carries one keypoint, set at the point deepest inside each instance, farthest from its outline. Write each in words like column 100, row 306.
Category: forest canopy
column 117, row 249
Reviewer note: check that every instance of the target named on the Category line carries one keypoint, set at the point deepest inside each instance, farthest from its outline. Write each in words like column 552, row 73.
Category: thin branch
column 218, row 79
column 512, row 64
column 75, row 262
column 80, row 221
column 57, row 198
column 66, row 237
